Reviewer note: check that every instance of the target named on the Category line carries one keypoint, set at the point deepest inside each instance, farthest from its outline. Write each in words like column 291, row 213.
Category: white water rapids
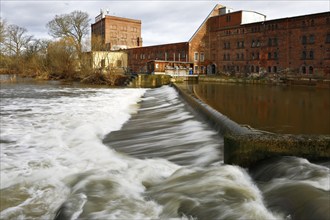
column 55, row 164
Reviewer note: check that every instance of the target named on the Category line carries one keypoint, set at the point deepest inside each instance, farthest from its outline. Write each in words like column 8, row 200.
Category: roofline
column 277, row 19
column 254, row 12
column 158, row 45
column 205, row 20
column 118, row 18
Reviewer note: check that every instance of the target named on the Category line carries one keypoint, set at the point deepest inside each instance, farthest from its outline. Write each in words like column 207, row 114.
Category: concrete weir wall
column 245, row 147
column 150, row 81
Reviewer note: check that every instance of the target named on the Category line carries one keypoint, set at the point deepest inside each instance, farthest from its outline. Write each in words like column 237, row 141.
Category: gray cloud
column 162, row 21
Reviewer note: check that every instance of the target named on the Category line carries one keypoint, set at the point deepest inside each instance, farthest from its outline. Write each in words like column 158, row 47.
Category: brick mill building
column 115, row 33
column 234, row 42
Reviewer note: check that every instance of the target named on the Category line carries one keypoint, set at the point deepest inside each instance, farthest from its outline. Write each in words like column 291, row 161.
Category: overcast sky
column 162, row 21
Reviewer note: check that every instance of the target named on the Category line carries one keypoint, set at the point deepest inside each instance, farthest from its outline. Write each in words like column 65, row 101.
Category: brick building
column 297, row 44
column 115, row 33
column 236, row 42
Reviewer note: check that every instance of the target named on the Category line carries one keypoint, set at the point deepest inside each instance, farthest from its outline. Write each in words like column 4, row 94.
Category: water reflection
column 295, row 110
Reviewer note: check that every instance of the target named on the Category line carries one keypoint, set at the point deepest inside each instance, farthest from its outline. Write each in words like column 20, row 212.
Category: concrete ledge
column 246, row 150
column 150, row 81
column 245, row 147
column 218, row 121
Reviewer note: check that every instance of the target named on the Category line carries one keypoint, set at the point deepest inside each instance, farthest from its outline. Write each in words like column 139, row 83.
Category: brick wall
column 272, row 46
column 118, row 31
column 138, row 57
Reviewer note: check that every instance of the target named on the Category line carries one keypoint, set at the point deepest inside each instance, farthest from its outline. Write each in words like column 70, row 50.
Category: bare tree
column 61, row 58
column 74, row 25
column 17, row 40
column 2, row 30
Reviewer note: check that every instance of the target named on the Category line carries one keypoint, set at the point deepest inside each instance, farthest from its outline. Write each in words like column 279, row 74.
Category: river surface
column 279, row 109
column 71, row 152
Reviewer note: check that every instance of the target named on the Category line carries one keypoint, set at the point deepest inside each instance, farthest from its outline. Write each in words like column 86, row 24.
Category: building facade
column 114, row 33
column 289, row 45
column 231, row 42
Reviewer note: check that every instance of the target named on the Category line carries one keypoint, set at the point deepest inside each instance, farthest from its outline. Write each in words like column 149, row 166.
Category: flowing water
column 70, row 152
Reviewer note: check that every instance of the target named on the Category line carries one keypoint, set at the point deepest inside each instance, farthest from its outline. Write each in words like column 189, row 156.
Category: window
column 252, row 69
column 275, row 55
column 103, row 63
column 327, row 39
column 303, row 55
column 269, row 55
column 275, row 69
column 202, row 57
column 258, row 43
column 253, row 43
column 269, row 69
column 303, row 70
column 311, row 54
column 196, row 56
column 311, row 70
column 240, row 44
column 228, row 18
column 269, row 42
column 257, row 69
column 304, row 39
column 242, row 56
column 311, row 39
column 202, row 69
column 119, row 63
column 183, row 54
column 196, row 69
column 275, row 41
column 252, row 55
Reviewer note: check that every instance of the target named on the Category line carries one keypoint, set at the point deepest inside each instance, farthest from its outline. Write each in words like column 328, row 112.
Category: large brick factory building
column 232, row 42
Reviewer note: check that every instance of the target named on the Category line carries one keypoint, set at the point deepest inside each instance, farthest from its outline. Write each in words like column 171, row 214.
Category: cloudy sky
column 165, row 21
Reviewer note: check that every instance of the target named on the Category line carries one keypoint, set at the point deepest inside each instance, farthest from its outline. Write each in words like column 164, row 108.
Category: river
column 75, row 152
column 279, row 109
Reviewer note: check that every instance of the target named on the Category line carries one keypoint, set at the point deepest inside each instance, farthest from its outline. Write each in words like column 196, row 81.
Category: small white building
column 115, row 61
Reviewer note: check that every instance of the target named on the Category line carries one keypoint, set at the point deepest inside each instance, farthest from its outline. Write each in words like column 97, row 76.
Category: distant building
column 114, row 33
column 231, row 42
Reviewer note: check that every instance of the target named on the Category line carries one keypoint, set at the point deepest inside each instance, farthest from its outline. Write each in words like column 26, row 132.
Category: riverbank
column 95, row 78
column 270, row 80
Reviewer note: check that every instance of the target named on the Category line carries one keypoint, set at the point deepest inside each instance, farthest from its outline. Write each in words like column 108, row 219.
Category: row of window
column 199, row 69
column 162, row 55
column 123, row 28
column 310, row 41
column 199, row 56
column 255, row 43
column 254, row 56
column 307, row 55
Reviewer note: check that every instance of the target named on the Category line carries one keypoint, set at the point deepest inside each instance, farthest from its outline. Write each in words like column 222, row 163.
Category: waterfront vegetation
column 64, row 57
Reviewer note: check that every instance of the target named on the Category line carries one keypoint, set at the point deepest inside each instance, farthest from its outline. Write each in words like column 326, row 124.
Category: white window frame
column 196, row 56
column 202, row 57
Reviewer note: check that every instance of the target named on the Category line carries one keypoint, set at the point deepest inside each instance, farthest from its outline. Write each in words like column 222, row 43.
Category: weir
column 245, row 146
